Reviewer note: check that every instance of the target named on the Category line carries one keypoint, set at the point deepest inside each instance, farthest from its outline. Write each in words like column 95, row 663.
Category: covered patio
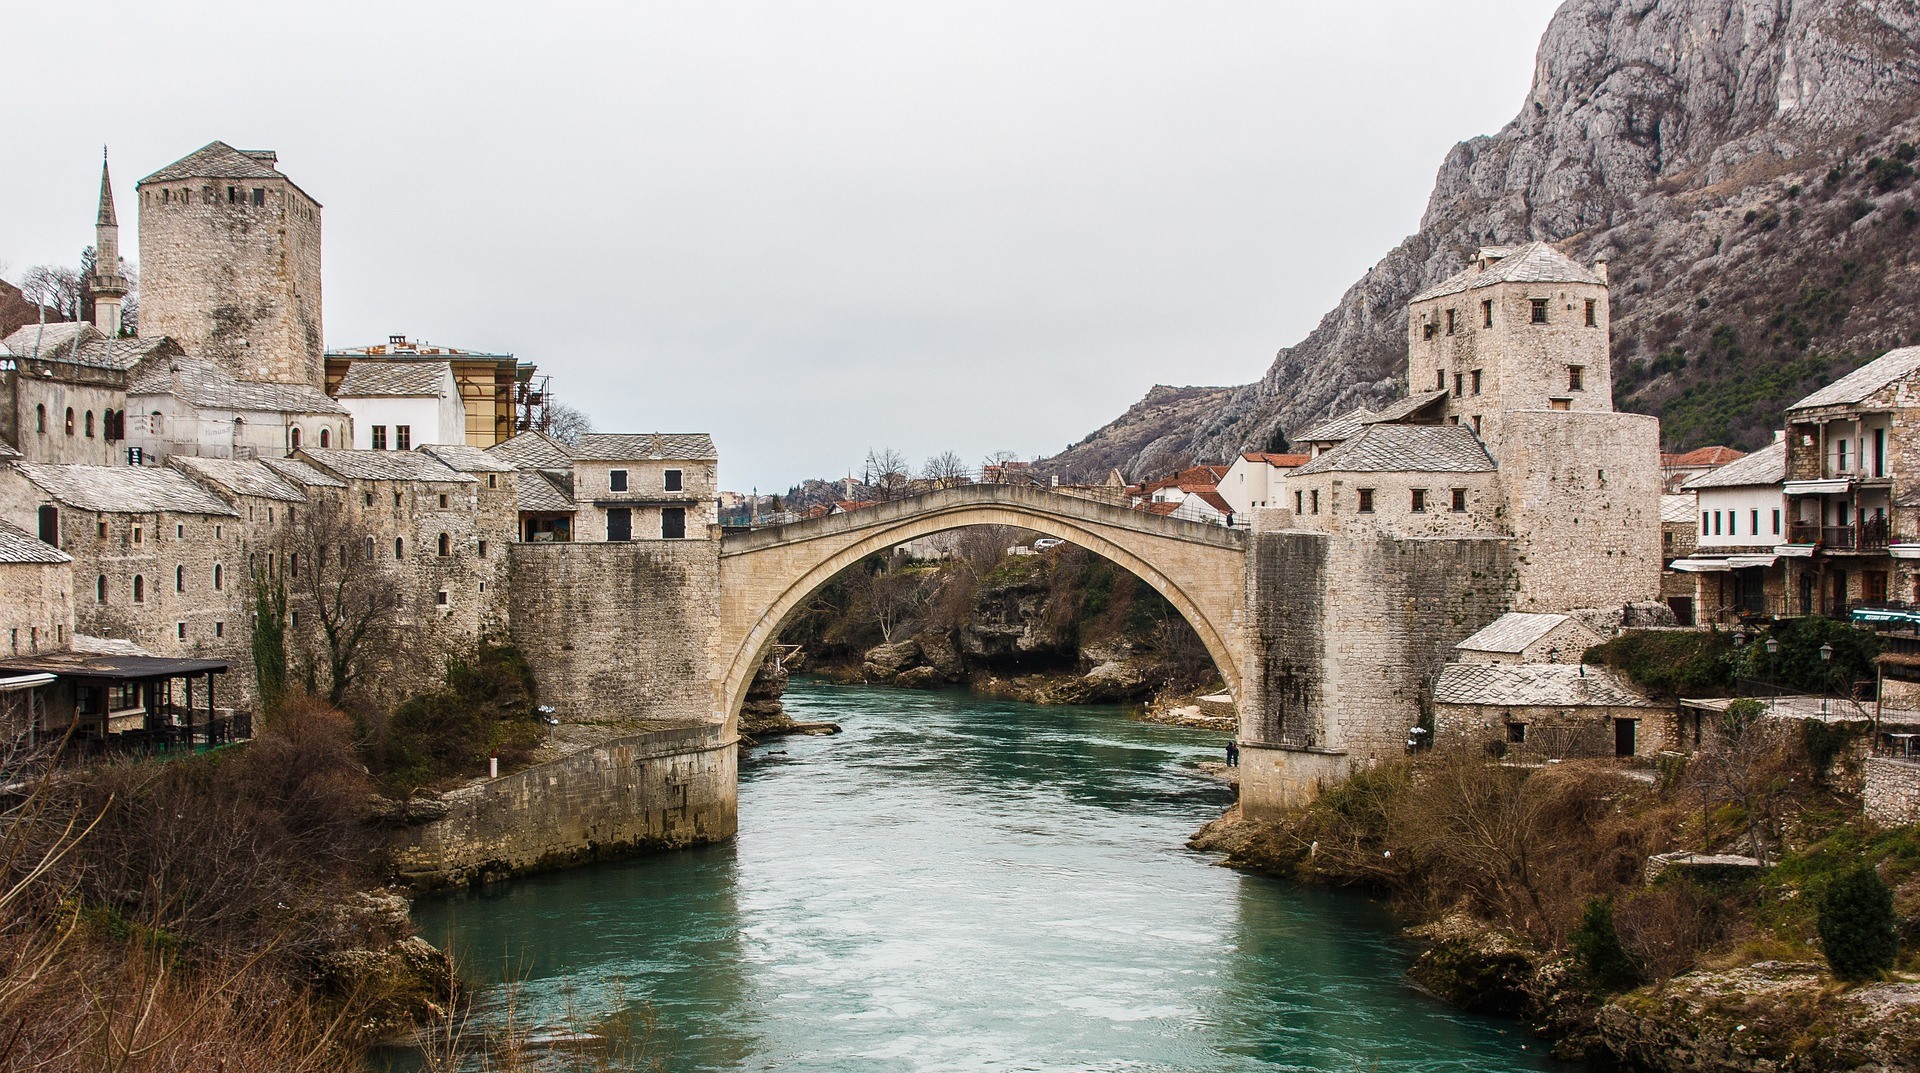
column 124, row 702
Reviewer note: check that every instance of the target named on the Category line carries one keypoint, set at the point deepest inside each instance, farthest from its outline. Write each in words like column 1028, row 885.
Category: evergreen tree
column 1597, row 949
column 1857, row 925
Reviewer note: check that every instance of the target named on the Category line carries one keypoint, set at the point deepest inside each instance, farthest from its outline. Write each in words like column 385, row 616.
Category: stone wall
column 40, row 405
column 1583, row 500
column 1551, row 732
column 660, row 790
column 36, row 606
column 1891, row 796
column 619, row 631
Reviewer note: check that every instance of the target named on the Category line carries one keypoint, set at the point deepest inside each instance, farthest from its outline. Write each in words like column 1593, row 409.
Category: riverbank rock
column 943, row 655
column 883, row 662
column 1475, row 966
column 1768, row 1017
column 920, row 678
column 1105, row 684
column 1257, row 847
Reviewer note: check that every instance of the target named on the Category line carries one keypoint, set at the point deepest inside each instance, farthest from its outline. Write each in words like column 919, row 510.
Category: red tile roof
column 1272, row 459
column 1702, row 456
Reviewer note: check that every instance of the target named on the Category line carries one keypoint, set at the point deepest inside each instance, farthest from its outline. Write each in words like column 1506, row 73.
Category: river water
column 957, row 883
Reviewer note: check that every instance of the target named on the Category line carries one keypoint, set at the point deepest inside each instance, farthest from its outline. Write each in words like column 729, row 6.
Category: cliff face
column 1746, row 165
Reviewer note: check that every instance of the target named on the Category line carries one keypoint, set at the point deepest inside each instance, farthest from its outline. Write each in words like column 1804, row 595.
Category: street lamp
column 1773, row 645
column 1826, row 653
column 1826, row 660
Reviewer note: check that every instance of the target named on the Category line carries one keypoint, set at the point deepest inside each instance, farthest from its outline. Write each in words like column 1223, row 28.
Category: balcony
column 1870, row 535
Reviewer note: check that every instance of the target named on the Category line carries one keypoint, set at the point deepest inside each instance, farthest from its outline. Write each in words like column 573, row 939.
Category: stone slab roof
column 544, row 490
column 394, row 379
column 1512, row 632
column 1537, row 685
column 300, row 473
column 1406, row 407
column 203, row 384
column 1535, row 262
column 17, row 546
column 382, row 465
column 1679, row 508
column 531, row 449
column 1405, row 449
column 623, row 447
column 123, row 489
column 466, row 459
column 1767, row 466
column 82, row 344
column 238, row 476
column 1335, row 428
column 218, row 160
column 1860, row 383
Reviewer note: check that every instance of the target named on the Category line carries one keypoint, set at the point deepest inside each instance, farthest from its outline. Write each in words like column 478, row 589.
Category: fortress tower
column 108, row 285
column 230, row 265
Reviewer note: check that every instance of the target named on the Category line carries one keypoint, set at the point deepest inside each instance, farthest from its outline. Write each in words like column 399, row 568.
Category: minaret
column 108, row 285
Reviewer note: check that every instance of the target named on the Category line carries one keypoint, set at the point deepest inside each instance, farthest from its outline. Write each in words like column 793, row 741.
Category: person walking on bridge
column 1233, row 754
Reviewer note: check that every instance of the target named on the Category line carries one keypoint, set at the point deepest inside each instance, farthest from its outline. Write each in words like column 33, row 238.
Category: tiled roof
column 1679, row 508
column 544, row 490
column 1535, row 262
column 1160, row 508
column 302, row 474
column 1279, row 460
column 1191, row 479
column 8, row 451
column 203, row 384
column 82, row 344
column 1512, row 632
column 388, row 379
column 619, row 447
column 1766, row 466
column 1536, row 685
column 1212, row 499
column 218, row 160
column 1335, row 428
column 1406, row 407
column 532, row 449
column 239, row 477
column 1853, row 387
column 1405, row 448
column 123, row 489
column 1702, row 456
column 382, row 465
column 466, row 459
column 19, row 547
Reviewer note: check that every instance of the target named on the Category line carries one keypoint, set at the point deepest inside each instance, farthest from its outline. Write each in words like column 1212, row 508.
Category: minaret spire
column 108, row 285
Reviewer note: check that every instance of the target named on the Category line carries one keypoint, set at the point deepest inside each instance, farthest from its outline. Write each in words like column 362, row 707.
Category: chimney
column 1600, row 267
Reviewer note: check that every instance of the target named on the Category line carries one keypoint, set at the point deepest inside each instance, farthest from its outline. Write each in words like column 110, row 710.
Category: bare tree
column 565, row 424
column 945, row 470
column 57, row 287
column 1743, row 765
column 885, row 473
column 332, row 572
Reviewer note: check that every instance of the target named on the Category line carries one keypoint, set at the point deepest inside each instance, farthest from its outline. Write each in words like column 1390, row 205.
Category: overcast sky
column 809, row 228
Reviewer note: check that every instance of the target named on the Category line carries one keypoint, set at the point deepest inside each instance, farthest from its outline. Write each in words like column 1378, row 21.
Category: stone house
column 1740, row 512
column 546, row 507
column 1411, row 480
column 492, row 387
column 1325, row 436
column 1548, row 711
column 66, row 392
column 649, row 486
column 36, row 593
column 1257, row 479
column 400, row 406
column 184, row 406
column 1519, row 637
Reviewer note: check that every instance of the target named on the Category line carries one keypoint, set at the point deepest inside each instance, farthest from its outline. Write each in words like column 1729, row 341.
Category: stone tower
column 108, row 285
column 230, row 265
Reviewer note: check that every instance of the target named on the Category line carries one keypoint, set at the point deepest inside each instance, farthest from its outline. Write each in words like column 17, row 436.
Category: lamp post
column 1826, row 661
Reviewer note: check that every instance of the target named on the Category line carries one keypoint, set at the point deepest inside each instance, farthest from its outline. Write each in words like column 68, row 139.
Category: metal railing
column 1871, row 535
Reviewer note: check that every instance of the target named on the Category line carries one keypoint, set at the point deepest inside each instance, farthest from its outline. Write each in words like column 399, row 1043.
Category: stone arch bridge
column 766, row 574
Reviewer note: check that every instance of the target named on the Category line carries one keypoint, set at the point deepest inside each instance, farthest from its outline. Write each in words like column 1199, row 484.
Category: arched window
column 325, row 439
column 218, row 576
column 40, row 418
column 399, row 548
column 106, row 425
column 89, row 424
column 446, row 545
column 69, row 420
column 293, row 437
column 139, row 589
column 179, row 579
column 156, row 423
column 100, row 589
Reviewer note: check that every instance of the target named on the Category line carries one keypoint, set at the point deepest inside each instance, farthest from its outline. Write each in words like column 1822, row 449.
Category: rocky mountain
column 1748, row 167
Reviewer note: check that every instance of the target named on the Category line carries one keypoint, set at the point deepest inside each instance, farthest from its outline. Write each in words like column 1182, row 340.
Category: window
column 1756, row 522
column 1439, row 380
column 69, row 420
column 396, row 500
column 216, row 532
column 1475, row 381
column 368, row 497
column 1516, row 733
column 233, row 194
column 293, row 619
column 1716, row 523
column 325, row 439
column 259, row 196
column 1841, row 444
column 1559, row 404
column 1776, row 521
column 369, row 549
column 293, row 564
column 617, row 480
column 446, row 545
column 483, row 549
column 673, row 522
column 379, row 437
column 100, row 589
column 673, row 480
column 1593, row 313
column 138, row 532
column 293, row 437
column 443, row 501
column 620, row 524
column 219, row 576
column 1419, row 505
column 1366, row 501
column 219, row 629
column 1429, row 330
column 179, row 579
column 89, row 424
column 50, row 525
column 180, row 630
column 1459, row 500
column 1299, row 502
column 1449, row 322
column 440, row 598
column 40, row 418
column 1476, row 424
column 1458, row 382
column 1703, row 521
column 101, row 528
column 1314, row 498
column 139, row 589
column 1486, row 313
column 1576, row 374
column 1539, row 310
column 399, row 548
column 179, row 532
column 403, row 437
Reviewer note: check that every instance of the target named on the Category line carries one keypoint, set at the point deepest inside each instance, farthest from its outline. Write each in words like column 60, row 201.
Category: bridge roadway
column 767, row 573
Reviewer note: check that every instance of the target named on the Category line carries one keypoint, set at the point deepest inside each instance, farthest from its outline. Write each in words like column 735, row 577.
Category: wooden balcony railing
column 1870, row 535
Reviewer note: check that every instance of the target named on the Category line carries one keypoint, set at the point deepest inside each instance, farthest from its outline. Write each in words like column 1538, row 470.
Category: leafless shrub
column 1664, row 928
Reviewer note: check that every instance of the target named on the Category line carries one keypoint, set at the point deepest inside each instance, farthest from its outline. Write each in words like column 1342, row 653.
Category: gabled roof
column 1536, row 685
column 1406, row 449
column 218, row 160
column 532, row 449
column 395, row 379
column 544, row 490
column 1212, row 499
column 1406, row 407
column 1271, row 458
column 1335, row 428
column 300, row 473
column 17, row 546
column 1191, row 479
column 382, row 465
column 1535, row 262
column 236, row 476
column 123, row 489
column 82, row 344
column 1679, row 509
column 622, row 447
column 1512, row 632
column 1702, row 456
column 1856, row 385
column 1766, row 466
column 206, row 385
column 466, row 459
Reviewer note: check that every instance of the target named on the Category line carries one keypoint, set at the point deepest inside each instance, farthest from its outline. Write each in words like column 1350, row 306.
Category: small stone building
column 648, row 486
column 1549, row 711
column 184, row 406
column 1520, row 637
column 36, row 593
column 398, row 406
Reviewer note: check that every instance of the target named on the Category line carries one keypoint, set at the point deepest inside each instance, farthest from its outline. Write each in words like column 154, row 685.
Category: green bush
column 1797, row 664
column 1597, row 949
column 1670, row 663
column 1857, row 924
column 486, row 709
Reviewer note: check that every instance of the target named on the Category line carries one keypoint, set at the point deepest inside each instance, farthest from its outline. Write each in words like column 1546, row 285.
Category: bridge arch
column 765, row 575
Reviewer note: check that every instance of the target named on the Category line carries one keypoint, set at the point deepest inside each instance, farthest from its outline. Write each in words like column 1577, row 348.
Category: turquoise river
column 957, row 883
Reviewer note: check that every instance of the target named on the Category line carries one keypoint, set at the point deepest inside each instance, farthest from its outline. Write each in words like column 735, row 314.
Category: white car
column 1047, row 542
